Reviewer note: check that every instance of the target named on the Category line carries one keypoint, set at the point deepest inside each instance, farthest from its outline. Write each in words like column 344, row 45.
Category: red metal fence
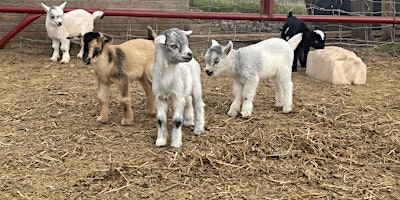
column 265, row 14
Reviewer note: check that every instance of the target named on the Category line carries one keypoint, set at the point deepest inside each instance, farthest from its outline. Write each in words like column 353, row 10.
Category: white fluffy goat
column 60, row 27
column 176, row 79
column 271, row 59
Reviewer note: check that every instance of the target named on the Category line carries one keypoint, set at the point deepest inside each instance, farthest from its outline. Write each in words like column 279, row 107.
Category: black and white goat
column 311, row 38
column 176, row 80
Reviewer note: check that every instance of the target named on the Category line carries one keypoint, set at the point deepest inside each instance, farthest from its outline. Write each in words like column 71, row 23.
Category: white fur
column 177, row 81
column 270, row 59
column 60, row 26
column 321, row 33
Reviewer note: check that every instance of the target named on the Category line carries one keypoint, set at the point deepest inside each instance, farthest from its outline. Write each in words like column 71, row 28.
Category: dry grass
column 341, row 141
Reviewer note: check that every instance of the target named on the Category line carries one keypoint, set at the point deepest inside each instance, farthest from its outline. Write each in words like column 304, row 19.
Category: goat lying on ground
column 269, row 59
column 311, row 38
column 176, row 79
column 60, row 26
column 120, row 64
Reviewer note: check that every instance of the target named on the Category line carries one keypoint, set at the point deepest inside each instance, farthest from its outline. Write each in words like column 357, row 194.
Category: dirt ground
column 341, row 141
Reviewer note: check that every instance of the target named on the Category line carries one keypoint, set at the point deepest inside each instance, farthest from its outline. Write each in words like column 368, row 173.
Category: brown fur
column 121, row 64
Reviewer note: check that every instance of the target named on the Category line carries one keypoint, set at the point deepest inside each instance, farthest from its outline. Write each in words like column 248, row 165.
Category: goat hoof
column 287, row 110
column 232, row 114
column 278, row 105
column 102, row 120
column 176, row 144
column 161, row 142
column 188, row 122
column 64, row 61
column 198, row 132
column 126, row 122
column 245, row 114
column 53, row 59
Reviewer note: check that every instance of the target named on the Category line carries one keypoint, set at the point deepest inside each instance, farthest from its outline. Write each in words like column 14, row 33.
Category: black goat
column 311, row 38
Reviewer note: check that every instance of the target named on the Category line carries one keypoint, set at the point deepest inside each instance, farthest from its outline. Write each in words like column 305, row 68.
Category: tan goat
column 120, row 64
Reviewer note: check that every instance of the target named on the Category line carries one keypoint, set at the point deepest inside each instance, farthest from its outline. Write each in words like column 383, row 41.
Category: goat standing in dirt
column 176, row 79
column 60, row 26
column 120, row 64
column 270, row 59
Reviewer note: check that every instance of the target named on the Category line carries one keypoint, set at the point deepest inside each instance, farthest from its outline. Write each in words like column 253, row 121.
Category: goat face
column 318, row 39
column 93, row 43
column 216, row 58
column 175, row 45
column 54, row 13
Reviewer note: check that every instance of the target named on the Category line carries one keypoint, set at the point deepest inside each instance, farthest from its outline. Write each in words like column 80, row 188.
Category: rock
column 336, row 65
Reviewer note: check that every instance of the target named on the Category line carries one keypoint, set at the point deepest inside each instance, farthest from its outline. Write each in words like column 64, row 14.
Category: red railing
column 266, row 14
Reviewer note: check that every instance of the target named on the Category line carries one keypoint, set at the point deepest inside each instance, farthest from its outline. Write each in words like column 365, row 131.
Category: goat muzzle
column 209, row 73
column 86, row 60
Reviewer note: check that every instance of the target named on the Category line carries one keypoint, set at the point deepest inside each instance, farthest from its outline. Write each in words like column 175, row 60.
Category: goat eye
column 96, row 51
column 216, row 62
column 173, row 46
column 51, row 17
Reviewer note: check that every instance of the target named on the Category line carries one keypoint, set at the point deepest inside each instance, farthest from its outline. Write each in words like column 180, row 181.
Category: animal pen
column 340, row 141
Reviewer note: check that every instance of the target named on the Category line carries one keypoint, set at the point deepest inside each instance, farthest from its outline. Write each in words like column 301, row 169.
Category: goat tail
column 97, row 14
column 295, row 40
column 151, row 35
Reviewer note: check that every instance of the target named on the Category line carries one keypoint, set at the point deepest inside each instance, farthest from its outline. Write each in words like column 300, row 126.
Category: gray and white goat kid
column 176, row 79
column 120, row 64
column 270, row 59
column 60, row 26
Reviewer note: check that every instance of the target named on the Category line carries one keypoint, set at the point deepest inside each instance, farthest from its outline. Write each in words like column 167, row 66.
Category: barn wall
column 122, row 28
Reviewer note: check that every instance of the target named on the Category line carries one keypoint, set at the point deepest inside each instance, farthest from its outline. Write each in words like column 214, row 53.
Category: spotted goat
column 120, row 64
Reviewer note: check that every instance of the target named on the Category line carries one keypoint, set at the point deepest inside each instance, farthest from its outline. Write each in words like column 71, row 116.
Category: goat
column 311, row 38
column 176, row 79
column 60, row 26
column 120, row 64
column 269, row 59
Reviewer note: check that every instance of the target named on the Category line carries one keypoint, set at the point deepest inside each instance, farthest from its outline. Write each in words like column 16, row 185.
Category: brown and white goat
column 120, row 64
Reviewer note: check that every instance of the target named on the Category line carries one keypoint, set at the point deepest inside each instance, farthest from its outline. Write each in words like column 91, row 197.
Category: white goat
column 176, row 79
column 60, row 27
column 271, row 59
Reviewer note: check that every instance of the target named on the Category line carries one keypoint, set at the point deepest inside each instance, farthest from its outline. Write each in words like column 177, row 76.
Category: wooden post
column 360, row 31
column 387, row 7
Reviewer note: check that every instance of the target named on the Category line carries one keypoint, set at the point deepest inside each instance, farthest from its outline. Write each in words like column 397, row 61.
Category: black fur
column 294, row 26
column 119, row 60
column 110, row 57
column 87, row 38
column 177, row 123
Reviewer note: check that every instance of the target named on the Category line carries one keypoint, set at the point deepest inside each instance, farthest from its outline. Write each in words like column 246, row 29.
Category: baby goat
column 60, row 26
column 176, row 79
column 120, row 64
column 311, row 38
column 269, row 59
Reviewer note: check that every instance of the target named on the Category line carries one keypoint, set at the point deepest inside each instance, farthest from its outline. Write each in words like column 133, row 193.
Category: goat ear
column 188, row 32
column 107, row 40
column 46, row 8
column 227, row 49
column 162, row 39
column 214, row 43
column 62, row 6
